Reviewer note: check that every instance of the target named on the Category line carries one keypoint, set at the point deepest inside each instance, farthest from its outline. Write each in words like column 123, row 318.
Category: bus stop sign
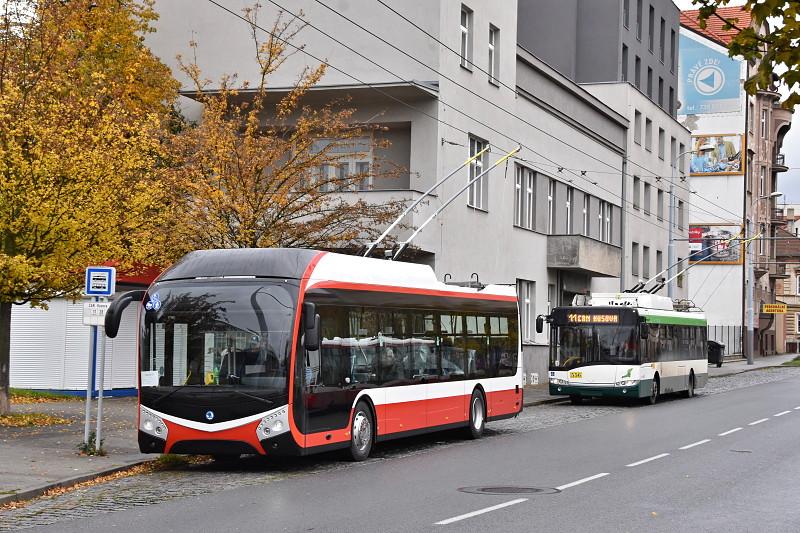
column 100, row 281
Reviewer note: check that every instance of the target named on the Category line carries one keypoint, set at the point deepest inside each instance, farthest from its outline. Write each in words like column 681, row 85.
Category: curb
column 30, row 494
column 745, row 370
column 533, row 403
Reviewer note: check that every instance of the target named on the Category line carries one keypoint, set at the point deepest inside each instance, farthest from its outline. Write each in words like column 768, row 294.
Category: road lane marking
column 797, row 408
column 584, row 480
column 643, row 461
column 480, row 512
column 692, row 445
column 782, row 413
column 734, row 430
column 758, row 422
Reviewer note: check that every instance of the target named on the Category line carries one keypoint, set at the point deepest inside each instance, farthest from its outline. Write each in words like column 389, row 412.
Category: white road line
column 734, row 430
column 480, row 512
column 643, row 461
column 584, row 480
column 797, row 408
column 758, row 422
column 692, row 445
column 782, row 413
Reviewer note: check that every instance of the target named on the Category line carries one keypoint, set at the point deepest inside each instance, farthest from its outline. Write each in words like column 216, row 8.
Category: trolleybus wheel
column 690, row 390
column 576, row 399
column 477, row 415
column 361, row 432
column 653, row 398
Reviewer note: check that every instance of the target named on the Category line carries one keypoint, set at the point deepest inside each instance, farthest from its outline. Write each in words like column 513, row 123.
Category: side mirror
column 114, row 313
column 539, row 324
column 311, row 327
column 644, row 331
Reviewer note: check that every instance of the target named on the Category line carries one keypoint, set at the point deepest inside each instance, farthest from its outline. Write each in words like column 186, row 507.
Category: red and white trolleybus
column 278, row 351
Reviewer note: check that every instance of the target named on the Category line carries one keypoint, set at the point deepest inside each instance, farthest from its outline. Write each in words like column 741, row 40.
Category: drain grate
column 505, row 489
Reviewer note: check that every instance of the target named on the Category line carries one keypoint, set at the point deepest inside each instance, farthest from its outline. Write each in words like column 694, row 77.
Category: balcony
column 579, row 254
column 779, row 163
column 778, row 272
column 777, row 216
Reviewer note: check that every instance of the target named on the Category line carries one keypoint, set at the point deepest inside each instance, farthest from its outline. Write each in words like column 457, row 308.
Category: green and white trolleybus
column 626, row 345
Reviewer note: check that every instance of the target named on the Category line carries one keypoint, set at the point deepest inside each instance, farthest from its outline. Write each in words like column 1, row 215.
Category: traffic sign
column 100, row 281
column 773, row 309
column 94, row 313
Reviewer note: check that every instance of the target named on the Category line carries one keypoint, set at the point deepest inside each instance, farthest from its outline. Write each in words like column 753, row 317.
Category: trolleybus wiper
column 268, row 402
column 170, row 393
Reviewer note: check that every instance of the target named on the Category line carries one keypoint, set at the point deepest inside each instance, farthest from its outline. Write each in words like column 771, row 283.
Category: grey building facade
column 593, row 41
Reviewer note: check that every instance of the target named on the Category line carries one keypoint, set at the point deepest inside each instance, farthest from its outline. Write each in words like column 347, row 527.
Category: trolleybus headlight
column 556, row 381
column 151, row 423
column 274, row 423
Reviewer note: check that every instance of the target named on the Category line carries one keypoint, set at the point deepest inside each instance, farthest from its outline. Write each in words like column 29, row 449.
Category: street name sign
column 773, row 309
column 100, row 281
column 94, row 313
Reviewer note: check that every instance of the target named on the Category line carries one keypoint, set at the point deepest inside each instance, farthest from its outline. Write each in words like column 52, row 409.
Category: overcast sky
column 788, row 182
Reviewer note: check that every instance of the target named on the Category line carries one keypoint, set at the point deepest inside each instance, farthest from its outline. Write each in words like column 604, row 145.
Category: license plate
column 575, row 375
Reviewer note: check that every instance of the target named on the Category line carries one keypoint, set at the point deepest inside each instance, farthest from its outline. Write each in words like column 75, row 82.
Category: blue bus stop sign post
column 100, row 284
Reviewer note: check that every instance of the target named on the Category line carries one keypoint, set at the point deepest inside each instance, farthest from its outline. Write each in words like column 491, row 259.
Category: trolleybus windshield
column 589, row 344
column 225, row 335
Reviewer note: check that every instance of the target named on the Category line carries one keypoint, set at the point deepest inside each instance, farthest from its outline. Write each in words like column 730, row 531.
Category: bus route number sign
column 588, row 318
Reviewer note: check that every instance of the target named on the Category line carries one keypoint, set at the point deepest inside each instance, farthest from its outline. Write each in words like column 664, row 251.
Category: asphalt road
column 678, row 466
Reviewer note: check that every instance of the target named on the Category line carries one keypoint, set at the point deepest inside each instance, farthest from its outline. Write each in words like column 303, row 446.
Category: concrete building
column 733, row 181
column 607, row 40
column 787, row 291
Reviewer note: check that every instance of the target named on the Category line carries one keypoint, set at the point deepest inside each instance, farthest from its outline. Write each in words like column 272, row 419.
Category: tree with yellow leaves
column 83, row 105
column 264, row 169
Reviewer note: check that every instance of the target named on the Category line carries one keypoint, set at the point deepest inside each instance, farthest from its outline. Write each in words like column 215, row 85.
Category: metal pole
column 89, row 375
column 671, row 244
column 748, row 344
column 623, row 260
column 101, row 373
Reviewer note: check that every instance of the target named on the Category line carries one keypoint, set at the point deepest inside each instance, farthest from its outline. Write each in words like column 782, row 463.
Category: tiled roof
column 714, row 25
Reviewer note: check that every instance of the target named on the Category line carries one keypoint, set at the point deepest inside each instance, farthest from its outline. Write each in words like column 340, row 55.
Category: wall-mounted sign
column 709, row 80
column 726, row 157
column 715, row 244
column 774, row 309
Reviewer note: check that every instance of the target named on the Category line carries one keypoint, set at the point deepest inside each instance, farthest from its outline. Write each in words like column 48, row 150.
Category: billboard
column 711, row 244
column 708, row 80
column 726, row 157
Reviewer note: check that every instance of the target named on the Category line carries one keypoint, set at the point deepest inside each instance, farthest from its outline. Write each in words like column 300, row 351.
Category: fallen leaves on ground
column 24, row 396
column 19, row 420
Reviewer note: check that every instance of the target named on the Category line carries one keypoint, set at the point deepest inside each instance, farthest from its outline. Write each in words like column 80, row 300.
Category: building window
column 624, row 63
column 646, row 262
column 762, row 181
column 526, row 291
column 681, row 157
column 626, row 9
column 352, row 172
column 586, row 215
column 551, row 212
column 751, row 117
column 650, row 83
column 646, row 199
column 604, row 217
column 637, row 73
column 662, row 140
column 672, row 51
column 648, row 134
column 661, row 39
column 761, row 240
column 660, row 204
column 659, row 261
column 679, row 279
column 494, row 55
column 681, row 215
column 673, row 151
column 524, row 205
column 637, row 127
column 478, row 193
column 639, row 19
column 466, row 37
column 551, row 297
column 661, row 92
column 635, row 259
column 570, row 198
column 637, row 185
column 651, row 25
column 671, row 101
column 797, row 285
column 763, row 123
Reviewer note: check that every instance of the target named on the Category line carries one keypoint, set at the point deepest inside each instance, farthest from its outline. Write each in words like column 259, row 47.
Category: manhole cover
column 508, row 490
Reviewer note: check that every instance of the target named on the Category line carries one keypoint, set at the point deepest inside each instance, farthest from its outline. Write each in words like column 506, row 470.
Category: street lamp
column 751, row 286
column 704, row 149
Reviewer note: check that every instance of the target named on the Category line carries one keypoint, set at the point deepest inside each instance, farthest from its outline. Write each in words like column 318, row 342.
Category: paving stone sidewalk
column 33, row 459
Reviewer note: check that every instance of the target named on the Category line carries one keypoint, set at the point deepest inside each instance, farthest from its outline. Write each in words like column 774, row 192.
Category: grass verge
column 793, row 362
column 19, row 396
column 22, row 420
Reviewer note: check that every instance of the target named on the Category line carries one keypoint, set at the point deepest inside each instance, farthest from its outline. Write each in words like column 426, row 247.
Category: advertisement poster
column 725, row 157
column 709, row 80
column 711, row 244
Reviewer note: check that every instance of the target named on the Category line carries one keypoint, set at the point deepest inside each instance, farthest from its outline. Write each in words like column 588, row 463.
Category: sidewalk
column 35, row 459
column 737, row 366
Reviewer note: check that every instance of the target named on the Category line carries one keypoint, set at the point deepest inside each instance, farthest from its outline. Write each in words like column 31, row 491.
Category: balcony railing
column 779, row 163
